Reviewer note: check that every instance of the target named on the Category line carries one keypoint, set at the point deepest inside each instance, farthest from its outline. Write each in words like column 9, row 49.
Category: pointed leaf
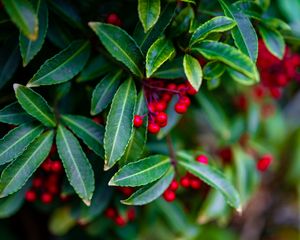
column 28, row 47
column 35, row 105
column 244, row 35
column 229, row 55
column 78, row 168
column 148, row 12
column 16, row 174
column 119, row 123
column 193, row 71
column 239, row 77
column 216, row 24
column 160, row 51
column 104, row 92
column 170, row 70
column 90, row 132
column 213, row 70
column 17, row 140
column 152, row 191
column 14, row 114
column 142, row 172
column 182, row 22
column 23, row 15
column 120, row 45
column 63, row 66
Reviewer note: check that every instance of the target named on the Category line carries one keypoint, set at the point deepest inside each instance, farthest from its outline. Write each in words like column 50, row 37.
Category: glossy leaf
column 120, row 45
column 244, row 35
column 86, row 129
column 239, row 77
column 23, row 15
column 14, row 114
column 216, row 24
column 148, row 12
column 229, row 55
column 28, row 47
column 193, row 71
column 250, row 8
column 35, row 105
column 182, row 22
column 170, row 69
column 160, row 51
column 16, row 174
column 17, row 140
column 63, row 66
column 119, row 123
column 152, row 191
column 213, row 70
column 141, row 172
column 104, row 92
column 78, row 168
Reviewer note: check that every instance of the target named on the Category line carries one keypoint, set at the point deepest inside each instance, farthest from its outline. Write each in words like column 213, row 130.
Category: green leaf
column 212, row 177
column 23, row 15
column 160, row 51
column 35, row 105
column 239, row 77
column 145, row 40
column 63, row 66
column 90, row 132
column 120, row 45
column 17, row 140
column 170, row 69
column 228, row 55
column 276, row 23
column 152, row 191
column 138, row 138
column 182, row 22
column 96, row 67
column 105, row 91
column 193, row 71
column 213, row 70
column 273, row 40
column 78, row 168
column 244, row 35
column 28, row 47
column 119, row 123
column 16, row 174
column 148, row 12
column 14, row 114
column 250, row 8
column 142, row 172
column 216, row 24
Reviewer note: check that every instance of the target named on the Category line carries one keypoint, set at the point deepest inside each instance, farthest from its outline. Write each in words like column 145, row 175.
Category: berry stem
column 171, row 150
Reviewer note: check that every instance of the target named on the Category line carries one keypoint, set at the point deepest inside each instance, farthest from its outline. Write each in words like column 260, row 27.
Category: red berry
column 151, row 107
column 153, row 128
column 120, row 221
column 37, row 182
column 53, row 149
column 191, row 90
column 172, row 86
column 46, row 165
column 137, row 121
column 185, row 181
column 182, row 88
column 127, row 191
column 30, row 196
column 166, row 97
column 98, row 120
column 185, row 100
column 282, row 80
column 202, row 159
column 161, row 118
column 264, row 162
column 131, row 214
column 110, row 212
column 169, row 195
column 275, row 92
column 113, row 19
column 53, row 189
column 180, row 108
column 195, row 183
column 160, row 106
column 174, row 185
column 46, row 198
column 56, row 166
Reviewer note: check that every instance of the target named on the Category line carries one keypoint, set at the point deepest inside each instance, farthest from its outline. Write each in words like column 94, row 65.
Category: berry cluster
column 158, row 95
column 47, row 181
column 120, row 219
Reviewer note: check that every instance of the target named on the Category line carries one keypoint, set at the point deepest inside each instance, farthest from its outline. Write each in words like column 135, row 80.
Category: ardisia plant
column 107, row 105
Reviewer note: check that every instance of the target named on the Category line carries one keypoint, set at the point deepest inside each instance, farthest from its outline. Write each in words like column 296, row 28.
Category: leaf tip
column 16, row 85
column 112, row 182
column 87, row 202
column 125, row 202
column 239, row 210
column 92, row 25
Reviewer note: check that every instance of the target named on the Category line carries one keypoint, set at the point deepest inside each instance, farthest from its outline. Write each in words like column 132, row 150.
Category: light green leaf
column 90, row 132
column 23, row 15
column 142, row 172
column 14, row 114
column 213, row 70
column 216, row 24
column 193, row 71
column 120, row 45
column 16, row 174
column 229, row 55
column 28, row 47
column 250, row 8
column 105, row 91
column 160, row 51
column 170, row 69
column 63, row 66
column 119, row 123
column 152, row 191
column 35, row 105
column 244, row 35
column 78, row 168
column 239, row 77
column 148, row 12
column 17, row 140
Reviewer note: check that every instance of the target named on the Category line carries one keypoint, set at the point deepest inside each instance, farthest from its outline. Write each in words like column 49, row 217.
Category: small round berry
column 46, row 165
column 153, row 128
column 56, row 166
column 161, row 118
column 30, row 196
column 120, row 221
column 137, row 121
column 53, row 189
column 169, row 195
column 113, row 19
column 174, row 185
column 264, row 162
column 172, row 86
column 127, row 191
column 185, row 181
column 185, row 100
column 191, row 90
column 182, row 88
column 110, row 213
column 275, row 92
column 98, row 119
column 180, row 108
column 166, row 97
column 202, row 159
column 151, row 107
column 131, row 214
column 195, row 183
column 46, row 198
column 37, row 182
column 160, row 106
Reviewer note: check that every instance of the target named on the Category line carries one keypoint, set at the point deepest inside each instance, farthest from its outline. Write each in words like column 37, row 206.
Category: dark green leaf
column 170, row 70
column 182, row 22
column 250, row 8
column 148, row 12
column 193, row 71
column 35, row 105
column 213, row 70
column 14, row 114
